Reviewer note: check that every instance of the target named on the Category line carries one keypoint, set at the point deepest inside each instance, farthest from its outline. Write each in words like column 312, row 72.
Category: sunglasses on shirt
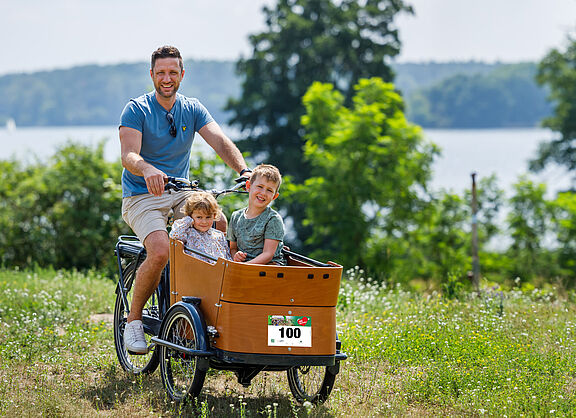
column 170, row 118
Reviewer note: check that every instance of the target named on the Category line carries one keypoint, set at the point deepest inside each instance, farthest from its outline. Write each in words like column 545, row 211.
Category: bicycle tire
column 132, row 363
column 182, row 375
column 310, row 383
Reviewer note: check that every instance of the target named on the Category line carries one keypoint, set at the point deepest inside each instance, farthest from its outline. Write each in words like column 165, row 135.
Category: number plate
column 289, row 331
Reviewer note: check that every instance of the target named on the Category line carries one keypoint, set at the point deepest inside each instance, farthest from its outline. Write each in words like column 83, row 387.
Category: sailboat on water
column 10, row 125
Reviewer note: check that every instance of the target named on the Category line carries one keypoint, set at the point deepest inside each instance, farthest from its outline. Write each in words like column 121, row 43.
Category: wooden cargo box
column 261, row 309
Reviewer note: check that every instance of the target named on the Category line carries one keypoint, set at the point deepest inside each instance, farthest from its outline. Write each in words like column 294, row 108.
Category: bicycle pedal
column 134, row 353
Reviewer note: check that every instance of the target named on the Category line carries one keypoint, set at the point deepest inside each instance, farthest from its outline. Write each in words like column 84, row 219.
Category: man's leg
column 148, row 275
column 147, row 279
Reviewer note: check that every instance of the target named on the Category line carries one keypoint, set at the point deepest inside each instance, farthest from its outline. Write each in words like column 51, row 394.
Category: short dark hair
column 166, row 51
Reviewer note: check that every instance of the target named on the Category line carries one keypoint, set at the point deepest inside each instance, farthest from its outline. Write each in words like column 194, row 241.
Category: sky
column 43, row 35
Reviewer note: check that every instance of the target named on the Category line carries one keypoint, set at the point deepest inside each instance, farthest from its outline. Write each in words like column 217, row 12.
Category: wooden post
column 475, row 258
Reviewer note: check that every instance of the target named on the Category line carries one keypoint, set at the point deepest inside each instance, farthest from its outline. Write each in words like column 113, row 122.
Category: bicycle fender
column 200, row 330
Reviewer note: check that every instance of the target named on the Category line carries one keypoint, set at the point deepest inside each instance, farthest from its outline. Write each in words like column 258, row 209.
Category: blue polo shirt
column 159, row 148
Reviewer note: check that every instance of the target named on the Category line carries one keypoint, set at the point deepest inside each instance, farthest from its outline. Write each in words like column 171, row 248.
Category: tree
column 558, row 71
column 529, row 222
column 369, row 166
column 437, row 245
column 308, row 40
column 564, row 221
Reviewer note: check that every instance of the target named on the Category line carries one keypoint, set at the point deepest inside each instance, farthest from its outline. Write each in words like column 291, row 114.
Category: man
column 156, row 133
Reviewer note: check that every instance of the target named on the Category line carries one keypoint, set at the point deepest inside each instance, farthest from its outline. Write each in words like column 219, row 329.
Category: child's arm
column 180, row 227
column 270, row 246
column 238, row 256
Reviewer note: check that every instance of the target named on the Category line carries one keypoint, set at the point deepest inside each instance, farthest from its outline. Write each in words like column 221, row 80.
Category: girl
column 195, row 229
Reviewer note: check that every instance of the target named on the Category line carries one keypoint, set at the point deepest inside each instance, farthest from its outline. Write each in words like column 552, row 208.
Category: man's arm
column 130, row 144
column 223, row 146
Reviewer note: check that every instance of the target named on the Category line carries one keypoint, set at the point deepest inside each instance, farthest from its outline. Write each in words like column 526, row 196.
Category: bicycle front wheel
column 181, row 374
column 132, row 363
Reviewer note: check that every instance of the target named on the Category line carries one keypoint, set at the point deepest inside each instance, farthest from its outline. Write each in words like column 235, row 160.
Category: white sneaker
column 134, row 340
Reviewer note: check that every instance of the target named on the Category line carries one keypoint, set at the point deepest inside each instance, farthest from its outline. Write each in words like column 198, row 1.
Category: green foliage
column 528, row 222
column 438, row 244
column 564, row 221
column 557, row 71
column 64, row 213
column 367, row 202
column 368, row 165
column 490, row 199
column 305, row 41
column 508, row 96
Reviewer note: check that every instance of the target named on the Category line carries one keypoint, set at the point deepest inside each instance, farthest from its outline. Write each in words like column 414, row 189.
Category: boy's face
column 261, row 192
column 202, row 220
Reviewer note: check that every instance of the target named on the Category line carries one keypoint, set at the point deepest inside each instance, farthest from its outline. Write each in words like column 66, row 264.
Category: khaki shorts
column 147, row 213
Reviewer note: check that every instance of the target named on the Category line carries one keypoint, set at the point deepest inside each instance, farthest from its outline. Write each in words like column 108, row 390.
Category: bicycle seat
column 129, row 246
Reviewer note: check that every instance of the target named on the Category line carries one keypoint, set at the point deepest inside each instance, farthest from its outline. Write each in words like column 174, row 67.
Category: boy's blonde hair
column 269, row 172
column 204, row 202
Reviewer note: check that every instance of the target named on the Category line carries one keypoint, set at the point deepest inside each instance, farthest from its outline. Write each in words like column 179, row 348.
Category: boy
column 256, row 232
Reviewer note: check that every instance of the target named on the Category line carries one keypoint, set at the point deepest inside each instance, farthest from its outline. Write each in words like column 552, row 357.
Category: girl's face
column 202, row 220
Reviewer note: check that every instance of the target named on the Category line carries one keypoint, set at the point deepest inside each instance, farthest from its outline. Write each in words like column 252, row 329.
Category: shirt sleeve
column 275, row 228
column 180, row 227
column 132, row 116
column 201, row 115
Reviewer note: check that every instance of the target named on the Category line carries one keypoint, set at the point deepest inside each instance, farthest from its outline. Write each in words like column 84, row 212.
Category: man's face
column 167, row 76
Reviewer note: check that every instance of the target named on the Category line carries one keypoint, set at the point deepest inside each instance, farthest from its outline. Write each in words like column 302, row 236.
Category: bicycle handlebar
column 180, row 183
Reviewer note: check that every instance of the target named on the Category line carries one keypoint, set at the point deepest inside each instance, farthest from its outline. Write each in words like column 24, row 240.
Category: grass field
column 507, row 353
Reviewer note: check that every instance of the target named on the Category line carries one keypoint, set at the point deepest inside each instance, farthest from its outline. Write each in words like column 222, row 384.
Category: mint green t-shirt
column 249, row 234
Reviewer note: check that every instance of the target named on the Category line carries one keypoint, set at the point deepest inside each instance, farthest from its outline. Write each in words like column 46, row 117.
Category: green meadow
column 502, row 352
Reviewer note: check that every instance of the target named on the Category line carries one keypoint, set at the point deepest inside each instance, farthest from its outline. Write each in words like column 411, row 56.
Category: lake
column 504, row 152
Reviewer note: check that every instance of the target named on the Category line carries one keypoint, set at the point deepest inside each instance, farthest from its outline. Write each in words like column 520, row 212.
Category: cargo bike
column 226, row 315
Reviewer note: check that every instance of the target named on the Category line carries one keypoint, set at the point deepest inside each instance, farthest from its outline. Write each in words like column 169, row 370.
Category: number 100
column 290, row 332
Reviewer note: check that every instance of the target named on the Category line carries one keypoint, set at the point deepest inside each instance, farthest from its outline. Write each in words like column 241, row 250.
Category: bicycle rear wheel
column 181, row 373
column 311, row 383
column 132, row 363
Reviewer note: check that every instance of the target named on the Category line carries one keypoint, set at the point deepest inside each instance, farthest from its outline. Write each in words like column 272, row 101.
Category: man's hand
column 155, row 180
